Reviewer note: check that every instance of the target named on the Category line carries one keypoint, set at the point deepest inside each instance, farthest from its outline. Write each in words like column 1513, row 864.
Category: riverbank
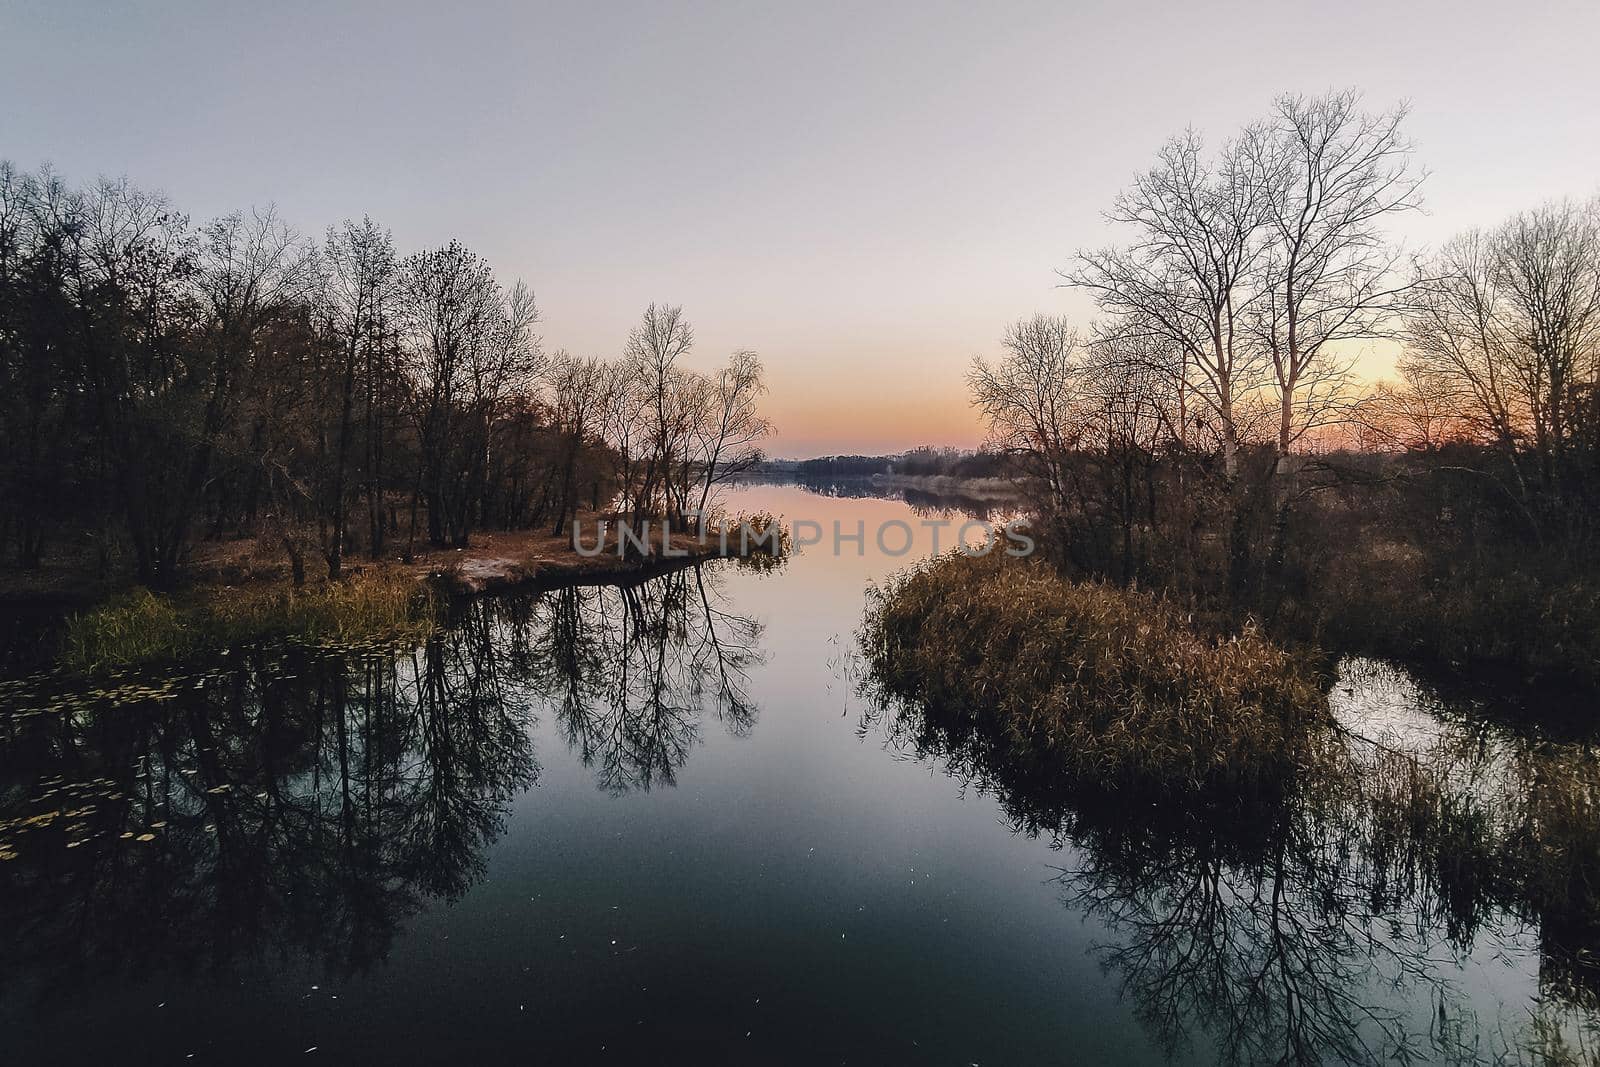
column 495, row 561
column 242, row 590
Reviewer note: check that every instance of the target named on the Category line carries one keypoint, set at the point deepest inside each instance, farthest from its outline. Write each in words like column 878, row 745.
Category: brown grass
column 1113, row 687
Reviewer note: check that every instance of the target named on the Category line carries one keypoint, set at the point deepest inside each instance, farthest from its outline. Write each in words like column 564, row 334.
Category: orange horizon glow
column 863, row 197
column 890, row 405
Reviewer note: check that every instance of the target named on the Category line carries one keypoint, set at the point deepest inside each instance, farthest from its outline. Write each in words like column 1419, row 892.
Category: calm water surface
column 663, row 824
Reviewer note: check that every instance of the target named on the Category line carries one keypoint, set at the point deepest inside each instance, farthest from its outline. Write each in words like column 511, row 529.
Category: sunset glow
column 865, row 197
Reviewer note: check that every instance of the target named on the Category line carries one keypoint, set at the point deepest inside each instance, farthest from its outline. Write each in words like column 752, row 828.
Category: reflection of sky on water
column 650, row 822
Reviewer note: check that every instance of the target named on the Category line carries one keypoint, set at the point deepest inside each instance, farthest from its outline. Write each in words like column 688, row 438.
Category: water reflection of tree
column 310, row 804
column 1325, row 925
column 629, row 670
column 293, row 801
column 925, row 502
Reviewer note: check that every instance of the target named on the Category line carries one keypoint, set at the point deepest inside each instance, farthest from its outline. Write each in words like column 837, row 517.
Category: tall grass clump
column 1108, row 687
column 141, row 627
column 133, row 627
column 757, row 540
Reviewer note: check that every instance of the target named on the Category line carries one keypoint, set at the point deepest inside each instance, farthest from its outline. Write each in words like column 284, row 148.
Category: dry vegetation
column 1206, row 433
column 1538, row 624
column 245, row 595
column 1114, row 687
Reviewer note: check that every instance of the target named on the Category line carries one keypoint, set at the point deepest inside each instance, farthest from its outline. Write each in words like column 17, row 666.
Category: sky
column 865, row 194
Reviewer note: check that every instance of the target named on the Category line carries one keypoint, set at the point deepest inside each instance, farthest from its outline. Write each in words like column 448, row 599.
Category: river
column 665, row 824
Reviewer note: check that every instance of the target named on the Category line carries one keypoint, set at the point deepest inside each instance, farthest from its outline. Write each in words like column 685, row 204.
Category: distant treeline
column 162, row 381
column 919, row 462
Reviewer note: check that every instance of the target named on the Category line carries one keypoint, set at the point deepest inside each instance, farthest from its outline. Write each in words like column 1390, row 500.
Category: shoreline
column 494, row 560
column 475, row 574
column 39, row 608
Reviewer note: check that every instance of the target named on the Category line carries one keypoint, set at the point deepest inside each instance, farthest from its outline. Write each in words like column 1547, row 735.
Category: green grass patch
column 142, row 627
column 1111, row 687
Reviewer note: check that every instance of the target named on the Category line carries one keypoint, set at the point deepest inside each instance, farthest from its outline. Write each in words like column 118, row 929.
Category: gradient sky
column 864, row 193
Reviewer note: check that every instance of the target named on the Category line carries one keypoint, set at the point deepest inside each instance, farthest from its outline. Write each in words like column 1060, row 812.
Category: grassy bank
column 1109, row 686
column 241, row 592
column 139, row 627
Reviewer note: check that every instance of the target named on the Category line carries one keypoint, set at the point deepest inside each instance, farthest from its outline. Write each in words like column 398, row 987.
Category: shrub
column 1527, row 616
column 1111, row 687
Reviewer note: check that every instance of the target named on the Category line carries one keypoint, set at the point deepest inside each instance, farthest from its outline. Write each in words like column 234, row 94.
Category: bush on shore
column 1114, row 688
column 1539, row 623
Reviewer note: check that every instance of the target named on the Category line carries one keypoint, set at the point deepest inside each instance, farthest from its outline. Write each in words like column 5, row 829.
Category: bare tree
column 252, row 273
column 1505, row 329
column 1184, row 283
column 1403, row 416
column 727, row 436
column 626, row 418
column 1332, row 175
column 580, row 393
column 453, row 315
column 506, row 365
column 127, row 274
column 677, row 433
column 1455, row 346
column 1032, row 400
column 359, row 272
column 1547, row 266
column 662, row 337
column 1182, row 292
column 153, row 374
column 1136, row 411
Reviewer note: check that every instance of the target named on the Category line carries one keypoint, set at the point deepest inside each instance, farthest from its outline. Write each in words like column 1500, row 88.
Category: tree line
column 1199, row 431
column 162, row 381
column 926, row 461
